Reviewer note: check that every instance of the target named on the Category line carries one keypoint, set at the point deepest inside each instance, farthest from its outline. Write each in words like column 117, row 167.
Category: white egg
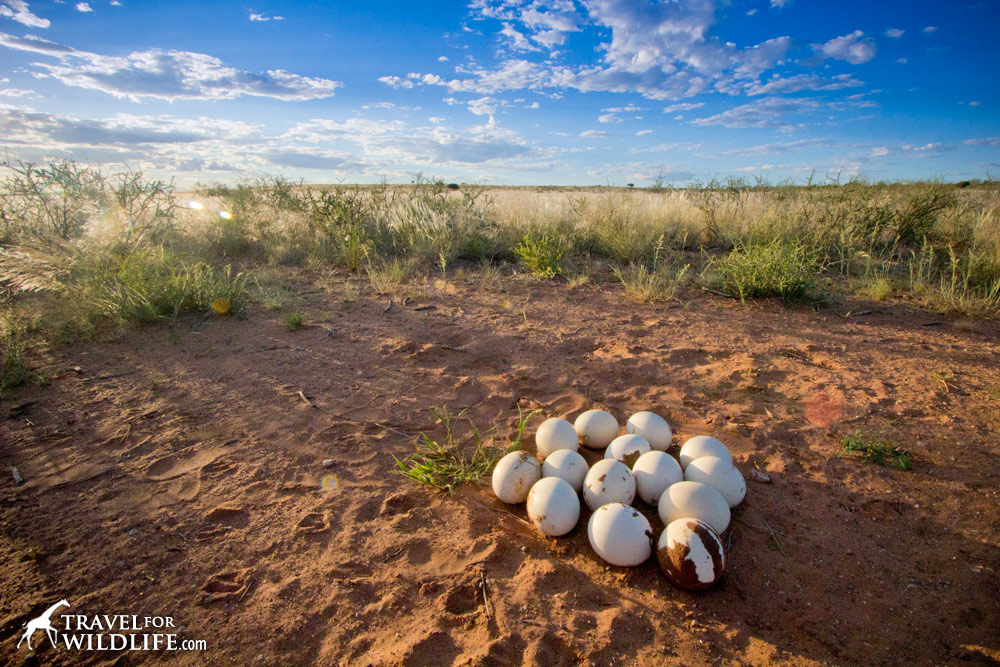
column 620, row 535
column 691, row 554
column 703, row 445
column 652, row 427
column 718, row 473
column 694, row 500
column 568, row 465
column 514, row 476
column 655, row 471
column 609, row 481
column 555, row 434
column 596, row 428
column 627, row 448
column 553, row 506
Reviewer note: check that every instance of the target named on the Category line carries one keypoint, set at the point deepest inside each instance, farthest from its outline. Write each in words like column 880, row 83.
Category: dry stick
column 774, row 536
column 712, row 291
column 486, row 597
column 108, row 377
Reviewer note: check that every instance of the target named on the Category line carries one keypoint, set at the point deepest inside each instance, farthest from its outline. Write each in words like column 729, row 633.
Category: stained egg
column 691, row 554
column 554, row 434
column 627, row 448
column 568, row 465
column 652, row 427
column 654, row 472
column 703, row 445
column 720, row 474
column 696, row 501
column 553, row 506
column 596, row 428
column 608, row 481
column 514, row 475
column 620, row 535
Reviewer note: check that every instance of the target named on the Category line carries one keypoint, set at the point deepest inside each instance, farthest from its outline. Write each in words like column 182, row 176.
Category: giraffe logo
column 43, row 622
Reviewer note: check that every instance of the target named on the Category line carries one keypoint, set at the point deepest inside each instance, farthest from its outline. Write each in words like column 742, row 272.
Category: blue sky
column 506, row 91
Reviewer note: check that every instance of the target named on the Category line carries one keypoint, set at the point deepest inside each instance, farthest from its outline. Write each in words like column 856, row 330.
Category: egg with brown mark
column 691, row 554
column 514, row 475
column 596, row 428
column 608, row 481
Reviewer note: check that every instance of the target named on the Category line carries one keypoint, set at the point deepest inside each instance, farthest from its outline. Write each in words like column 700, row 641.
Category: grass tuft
column 875, row 450
column 779, row 268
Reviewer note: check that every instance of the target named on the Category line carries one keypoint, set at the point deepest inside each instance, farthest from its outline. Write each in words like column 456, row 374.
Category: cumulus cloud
column 854, row 47
column 166, row 75
column 894, row 33
column 17, row 10
column 83, row 7
column 484, row 106
column 608, row 118
column 641, row 133
column 930, row 29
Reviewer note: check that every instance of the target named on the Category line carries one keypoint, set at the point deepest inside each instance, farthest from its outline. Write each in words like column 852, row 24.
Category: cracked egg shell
column 608, row 481
column 620, row 535
column 596, row 428
column 553, row 506
column 554, row 434
column 654, row 472
column 514, row 475
column 627, row 448
column 691, row 554
column 703, row 445
column 694, row 500
column 720, row 474
column 652, row 427
column 568, row 465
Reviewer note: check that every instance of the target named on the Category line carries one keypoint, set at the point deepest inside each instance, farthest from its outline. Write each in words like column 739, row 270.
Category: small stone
column 133, row 532
column 328, row 463
column 120, row 563
column 758, row 476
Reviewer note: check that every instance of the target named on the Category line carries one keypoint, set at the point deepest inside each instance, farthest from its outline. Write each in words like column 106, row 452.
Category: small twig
column 774, row 536
column 932, row 324
column 108, row 377
column 246, row 590
column 486, row 596
column 180, row 535
column 306, row 400
column 712, row 291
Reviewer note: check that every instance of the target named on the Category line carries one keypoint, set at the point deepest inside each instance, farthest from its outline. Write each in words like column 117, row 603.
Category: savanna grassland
column 211, row 408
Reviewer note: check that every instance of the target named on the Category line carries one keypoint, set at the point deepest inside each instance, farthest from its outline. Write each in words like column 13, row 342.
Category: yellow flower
column 221, row 305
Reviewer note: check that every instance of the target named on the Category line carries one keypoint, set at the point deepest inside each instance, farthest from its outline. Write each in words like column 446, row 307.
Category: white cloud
column 116, row 3
column 751, row 12
column 975, row 103
column 533, row 105
column 986, row 141
column 902, row 61
column 894, row 33
column 853, row 47
column 930, row 29
column 83, row 7
column 880, row 151
column 799, row 82
column 641, row 133
column 683, row 106
column 484, row 106
column 261, row 18
column 167, row 75
column 442, row 59
column 17, row 10
column 765, row 112
column 780, row 4
column 775, row 148
column 594, row 133
column 396, row 82
column 608, row 118
column 16, row 92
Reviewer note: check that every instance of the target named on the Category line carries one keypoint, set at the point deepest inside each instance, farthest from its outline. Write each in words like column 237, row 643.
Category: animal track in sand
column 181, row 463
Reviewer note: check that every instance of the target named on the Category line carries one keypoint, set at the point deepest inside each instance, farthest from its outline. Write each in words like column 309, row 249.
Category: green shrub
column 785, row 269
column 541, row 254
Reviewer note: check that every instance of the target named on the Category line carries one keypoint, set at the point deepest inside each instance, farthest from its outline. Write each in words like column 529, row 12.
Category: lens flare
column 225, row 215
column 329, row 482
column 195, row 205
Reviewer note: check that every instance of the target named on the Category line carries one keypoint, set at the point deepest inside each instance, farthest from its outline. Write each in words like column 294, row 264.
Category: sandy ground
column 178, row 473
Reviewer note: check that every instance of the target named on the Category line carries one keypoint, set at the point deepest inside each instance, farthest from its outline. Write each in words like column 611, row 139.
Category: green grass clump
column 13, row 371
column 541, row 254
column 779, row 268
column 294, row 321
column 445, row 465
column 875, row 450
